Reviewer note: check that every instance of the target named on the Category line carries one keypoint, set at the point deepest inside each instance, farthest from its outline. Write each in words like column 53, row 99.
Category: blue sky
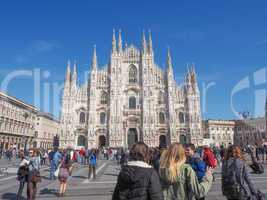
column 227, row 41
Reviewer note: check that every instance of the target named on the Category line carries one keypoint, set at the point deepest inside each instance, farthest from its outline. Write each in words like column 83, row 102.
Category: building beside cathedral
column 130, row 99
column 17, row 123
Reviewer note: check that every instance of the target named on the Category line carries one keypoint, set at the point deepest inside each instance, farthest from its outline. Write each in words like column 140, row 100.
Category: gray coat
column 242, row 174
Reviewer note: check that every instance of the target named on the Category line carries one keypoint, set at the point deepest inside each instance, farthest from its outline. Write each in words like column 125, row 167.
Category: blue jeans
column 53, row 168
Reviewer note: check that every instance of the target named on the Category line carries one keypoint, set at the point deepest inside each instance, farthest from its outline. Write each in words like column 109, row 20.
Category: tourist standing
column 179, row 180
column 195, row 161
column 138, row 179
column 22, row 174
column 34, row 175
column 86, row 158
column 54, row 157
column 92, row 164
column 65, row 169
column 236, row 180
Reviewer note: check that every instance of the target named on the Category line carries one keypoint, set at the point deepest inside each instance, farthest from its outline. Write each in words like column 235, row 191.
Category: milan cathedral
column 130, row 99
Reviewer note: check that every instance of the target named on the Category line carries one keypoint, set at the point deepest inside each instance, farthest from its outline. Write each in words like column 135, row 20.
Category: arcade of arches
column 132, row 137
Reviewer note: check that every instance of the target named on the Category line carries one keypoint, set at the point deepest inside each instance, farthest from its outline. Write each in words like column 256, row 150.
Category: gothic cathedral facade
column 130, row 99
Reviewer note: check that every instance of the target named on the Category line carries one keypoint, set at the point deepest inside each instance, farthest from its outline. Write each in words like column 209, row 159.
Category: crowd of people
column 61, row 164
column 182, row 172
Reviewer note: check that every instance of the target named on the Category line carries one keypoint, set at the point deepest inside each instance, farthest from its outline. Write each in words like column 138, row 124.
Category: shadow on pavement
column 81, row 177
column 11, row 196
column 45, row 177
column 48, row 191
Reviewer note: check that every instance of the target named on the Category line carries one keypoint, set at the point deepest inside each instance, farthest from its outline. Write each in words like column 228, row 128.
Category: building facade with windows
column 219, row 132
column 130, row 99
column 250, row 131
column 47, row 127
column 17, row 123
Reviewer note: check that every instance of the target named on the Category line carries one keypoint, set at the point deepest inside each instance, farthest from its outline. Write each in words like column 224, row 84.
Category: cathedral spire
column 187, row 76
column 194, row 77
column 114, row 48
column 150, row 45
column 120, row 43
column 74, row 75
column 144, row 44
column 68, row 73
column 94, row 59
column 169, row 61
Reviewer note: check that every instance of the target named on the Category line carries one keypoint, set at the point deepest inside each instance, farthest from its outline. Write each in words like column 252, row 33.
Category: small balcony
column 132, row 111
column 81, row 126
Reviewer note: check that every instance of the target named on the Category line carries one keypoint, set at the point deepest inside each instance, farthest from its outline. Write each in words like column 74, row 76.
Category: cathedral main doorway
column 162, row 141
column 102, row 141
column 182, row 139
column 81, row 142
column 132, row 137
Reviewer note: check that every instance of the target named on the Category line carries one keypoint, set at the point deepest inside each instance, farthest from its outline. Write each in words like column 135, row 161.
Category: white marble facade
column 130, row 99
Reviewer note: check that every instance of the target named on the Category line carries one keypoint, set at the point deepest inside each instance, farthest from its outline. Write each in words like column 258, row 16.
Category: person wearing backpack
column 137, row 179
column 209, row 157
column 178, row 179
column 22, row 174
column 236, row 180
column 194, row 160
column 92, row 164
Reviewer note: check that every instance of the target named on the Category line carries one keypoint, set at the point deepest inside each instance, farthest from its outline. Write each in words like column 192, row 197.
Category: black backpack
column 257, row 168
column 232, row 188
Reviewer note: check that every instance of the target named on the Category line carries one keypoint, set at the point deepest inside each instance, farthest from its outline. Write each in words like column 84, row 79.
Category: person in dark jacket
column 22, row 174
column 138, row 180
column 236, row 177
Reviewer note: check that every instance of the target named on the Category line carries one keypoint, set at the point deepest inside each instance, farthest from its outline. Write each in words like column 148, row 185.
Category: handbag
column 260, row 196
column 56, row 172
column 35, row 176
column 22, row 173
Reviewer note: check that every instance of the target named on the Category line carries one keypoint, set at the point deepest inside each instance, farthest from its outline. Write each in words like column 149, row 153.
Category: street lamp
column 2, row 142
column 25, row 139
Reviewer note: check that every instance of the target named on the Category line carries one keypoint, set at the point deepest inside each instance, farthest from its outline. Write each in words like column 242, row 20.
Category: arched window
column 102, row 118
column 181, row 117
column 104, row 98
column 82, row 118
column 132, row 103
column 132, row 74
column 161, row 97
column 161, row 118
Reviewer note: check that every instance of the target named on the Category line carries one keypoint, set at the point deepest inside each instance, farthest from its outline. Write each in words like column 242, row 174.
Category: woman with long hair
column 236, row 180
column 138, row 179
column 65, row 169
column 179, row 180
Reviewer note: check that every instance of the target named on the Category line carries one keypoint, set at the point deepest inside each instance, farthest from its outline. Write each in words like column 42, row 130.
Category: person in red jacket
column 209, row 157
